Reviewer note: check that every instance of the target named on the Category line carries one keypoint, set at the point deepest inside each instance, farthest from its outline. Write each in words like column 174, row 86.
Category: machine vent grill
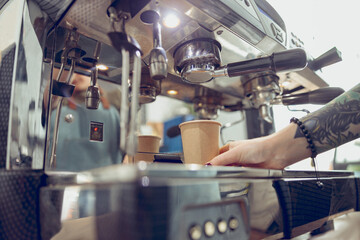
column 6, row 75
column 54, row 8
column 84, row 12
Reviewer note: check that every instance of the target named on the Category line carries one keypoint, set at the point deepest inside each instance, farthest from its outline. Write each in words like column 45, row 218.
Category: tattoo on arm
column 336, row 123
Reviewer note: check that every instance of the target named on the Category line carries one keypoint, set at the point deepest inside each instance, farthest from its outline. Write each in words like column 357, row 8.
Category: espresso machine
column 230, row 55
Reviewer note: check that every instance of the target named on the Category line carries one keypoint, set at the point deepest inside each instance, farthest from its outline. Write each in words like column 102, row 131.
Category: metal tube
column 135, row 89
column 60, row 72
column 94, row 75
column 71, row 71
column 97, row 51
column 124, row 109
column 94, row 70
column 157, row 34
column 49, row 115
column 57, row 117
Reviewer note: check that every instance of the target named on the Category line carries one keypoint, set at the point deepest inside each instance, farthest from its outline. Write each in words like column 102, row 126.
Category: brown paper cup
column 147, row 144
column 200, row 139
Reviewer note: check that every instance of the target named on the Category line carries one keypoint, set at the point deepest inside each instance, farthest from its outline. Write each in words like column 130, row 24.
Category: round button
column 222, row 226
column 209, row 228
column 233, row 223
column 195, row 232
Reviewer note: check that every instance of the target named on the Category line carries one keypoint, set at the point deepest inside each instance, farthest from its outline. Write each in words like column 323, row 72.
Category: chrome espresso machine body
column 222, row 55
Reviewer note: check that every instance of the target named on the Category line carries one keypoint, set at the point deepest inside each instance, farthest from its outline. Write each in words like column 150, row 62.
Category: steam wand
column 158, row 60
column 73, row 52
column 129, row 48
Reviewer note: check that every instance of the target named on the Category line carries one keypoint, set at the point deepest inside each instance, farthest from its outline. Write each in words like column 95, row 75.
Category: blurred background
column 322, row 25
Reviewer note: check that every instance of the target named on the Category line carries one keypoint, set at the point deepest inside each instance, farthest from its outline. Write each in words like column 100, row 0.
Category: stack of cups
column 147, row 146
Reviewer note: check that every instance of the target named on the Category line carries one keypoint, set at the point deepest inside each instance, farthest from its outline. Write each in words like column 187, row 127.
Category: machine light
column 102, row 67
column 172, row 92
column 171, row 21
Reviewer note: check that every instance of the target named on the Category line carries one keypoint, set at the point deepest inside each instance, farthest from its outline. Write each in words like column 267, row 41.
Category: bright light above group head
column 171, row 21
column 102, row 67
column 172, row 92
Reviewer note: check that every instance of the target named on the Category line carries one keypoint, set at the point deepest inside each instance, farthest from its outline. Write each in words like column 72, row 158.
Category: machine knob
column 195, row 232
column 209, row 228
column 222, row 226
column 233, row 223
column 330, row 57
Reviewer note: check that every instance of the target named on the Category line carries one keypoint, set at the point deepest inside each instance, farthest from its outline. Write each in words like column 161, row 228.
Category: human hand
column 248, row 153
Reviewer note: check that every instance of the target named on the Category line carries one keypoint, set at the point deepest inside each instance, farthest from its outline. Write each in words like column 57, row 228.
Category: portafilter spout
column 158, row 60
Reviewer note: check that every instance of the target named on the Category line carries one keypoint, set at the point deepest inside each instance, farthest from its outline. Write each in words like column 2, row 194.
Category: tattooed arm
column 336, row 123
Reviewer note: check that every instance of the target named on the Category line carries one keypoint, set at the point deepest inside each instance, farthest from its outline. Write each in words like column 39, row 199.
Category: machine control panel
column 223, row 220
column 295, row 41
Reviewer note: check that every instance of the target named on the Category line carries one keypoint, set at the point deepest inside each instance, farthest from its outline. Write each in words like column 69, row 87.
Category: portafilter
column 198, row 61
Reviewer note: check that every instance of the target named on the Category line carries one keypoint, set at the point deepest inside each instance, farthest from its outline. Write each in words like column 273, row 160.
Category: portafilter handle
column 319, row 96
column 288, row 60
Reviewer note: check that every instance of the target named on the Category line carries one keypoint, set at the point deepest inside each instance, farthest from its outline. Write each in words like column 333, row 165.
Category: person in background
column 75, row 151
column 336, row 123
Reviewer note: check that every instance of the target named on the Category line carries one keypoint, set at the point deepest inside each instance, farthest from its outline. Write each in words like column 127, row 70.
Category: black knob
column 330, row 57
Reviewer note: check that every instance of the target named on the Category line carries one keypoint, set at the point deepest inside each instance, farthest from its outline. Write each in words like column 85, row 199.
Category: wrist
column 284, row 149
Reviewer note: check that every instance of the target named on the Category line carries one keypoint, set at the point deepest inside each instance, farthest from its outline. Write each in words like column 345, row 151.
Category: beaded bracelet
column 306, row 135
column 311, row 146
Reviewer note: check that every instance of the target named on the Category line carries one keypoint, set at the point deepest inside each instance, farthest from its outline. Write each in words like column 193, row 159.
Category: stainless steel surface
column 149, row 88
column 157, row 59
column 22, row 134
column 243, row 203
column 261, row 90
column 240, row 40
column 196, row 59
column 92, row 99
column 133, row 125
column 124, row 110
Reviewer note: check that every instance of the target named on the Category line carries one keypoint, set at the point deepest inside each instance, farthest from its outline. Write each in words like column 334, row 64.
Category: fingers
column 226, row 158
column 224, row 148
